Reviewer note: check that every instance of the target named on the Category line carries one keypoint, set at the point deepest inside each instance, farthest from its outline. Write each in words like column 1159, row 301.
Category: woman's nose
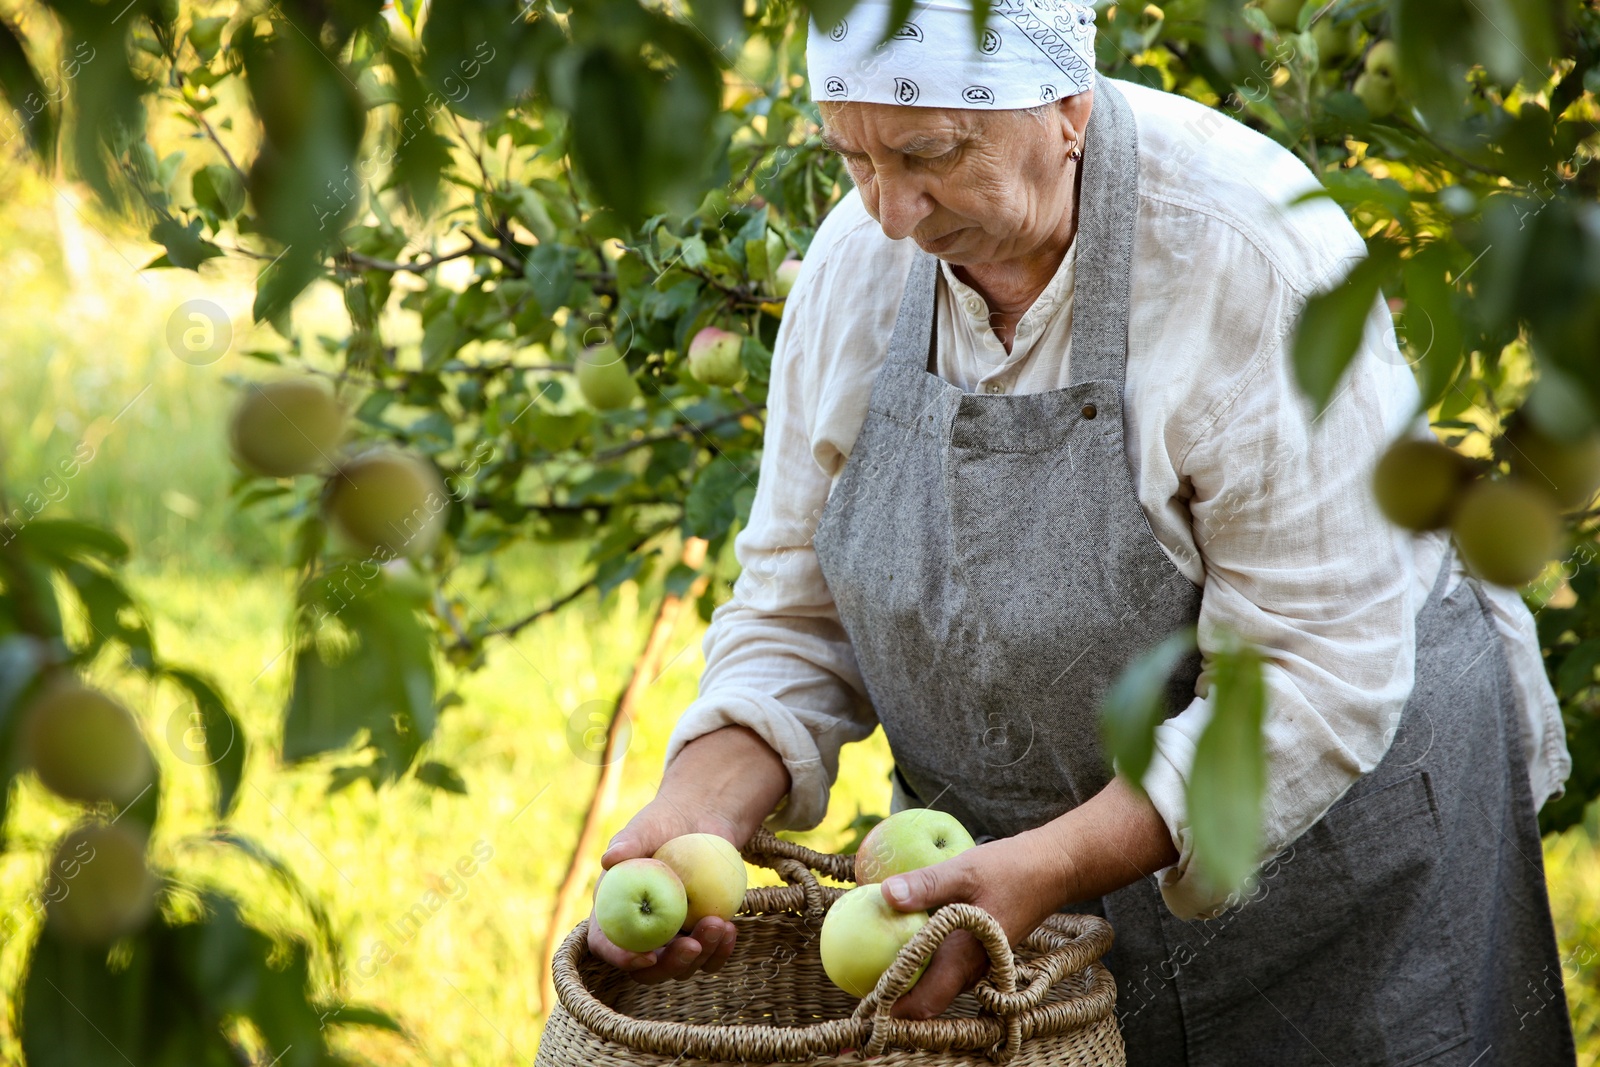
column 902, row 204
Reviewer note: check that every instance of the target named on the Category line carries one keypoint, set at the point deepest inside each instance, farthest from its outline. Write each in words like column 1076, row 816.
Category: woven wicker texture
column 1049, row 1003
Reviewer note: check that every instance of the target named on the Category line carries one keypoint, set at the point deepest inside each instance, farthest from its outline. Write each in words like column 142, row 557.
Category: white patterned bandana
column 1033, row 52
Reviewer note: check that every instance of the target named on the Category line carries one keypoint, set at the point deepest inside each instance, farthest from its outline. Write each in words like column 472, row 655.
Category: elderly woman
column 1031, row 412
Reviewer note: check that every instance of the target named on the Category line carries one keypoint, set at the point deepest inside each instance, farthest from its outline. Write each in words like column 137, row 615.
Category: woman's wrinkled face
column 968, row 186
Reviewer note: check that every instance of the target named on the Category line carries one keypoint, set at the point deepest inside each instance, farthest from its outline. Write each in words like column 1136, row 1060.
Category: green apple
column 1417, row 483
column 85, row 746
column 1377, row 93
column 1506, row 531
column 388, row 501
column 1284, row 14
column 1334, row 42
column 783, row 282
column 603, row 378
column 714, row 357
column 1383, row 61
column 99, row 886
column 907, row 840
column 285, row 428
column 861, row 936
column 712, row 873
column 640, row 904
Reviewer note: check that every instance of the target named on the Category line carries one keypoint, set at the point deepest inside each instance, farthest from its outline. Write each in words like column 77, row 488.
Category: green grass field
column 86, row 360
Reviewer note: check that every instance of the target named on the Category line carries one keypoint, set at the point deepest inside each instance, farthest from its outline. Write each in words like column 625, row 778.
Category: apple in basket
column 861, row 936
column 907, row 840
column 712, row 872
column 640, row 904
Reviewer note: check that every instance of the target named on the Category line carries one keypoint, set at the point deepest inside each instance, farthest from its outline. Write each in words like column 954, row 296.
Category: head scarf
column 1032, row 52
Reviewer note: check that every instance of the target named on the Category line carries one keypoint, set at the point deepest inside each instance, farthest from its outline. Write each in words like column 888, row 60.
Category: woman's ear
column 1073, row 111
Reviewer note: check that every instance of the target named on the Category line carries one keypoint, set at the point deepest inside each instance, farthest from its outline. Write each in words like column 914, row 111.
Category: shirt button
column 974, row 306
column 994, row 387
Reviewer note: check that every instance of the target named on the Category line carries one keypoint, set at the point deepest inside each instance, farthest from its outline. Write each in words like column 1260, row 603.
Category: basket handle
column 1070, row 943
column 795, row 864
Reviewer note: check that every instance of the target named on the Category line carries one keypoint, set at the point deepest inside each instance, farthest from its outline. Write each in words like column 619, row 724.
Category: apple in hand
column 861, row 936
column 640, row 905
column 907, row 840
column 712, row 872
column 714, row 357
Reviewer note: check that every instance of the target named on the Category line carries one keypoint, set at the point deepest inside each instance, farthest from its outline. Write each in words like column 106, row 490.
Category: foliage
column 178, row 988
column 494, row 189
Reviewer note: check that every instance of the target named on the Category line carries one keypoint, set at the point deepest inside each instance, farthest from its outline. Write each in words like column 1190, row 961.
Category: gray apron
column 995, row 573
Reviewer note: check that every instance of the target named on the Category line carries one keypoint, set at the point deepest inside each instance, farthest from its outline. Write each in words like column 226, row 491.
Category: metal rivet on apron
column 1089, row 411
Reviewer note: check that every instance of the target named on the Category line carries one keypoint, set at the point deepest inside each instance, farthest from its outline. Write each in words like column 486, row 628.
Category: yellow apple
column 640, row 904
column 861, row 936
column 712, row 873
column 907, row 840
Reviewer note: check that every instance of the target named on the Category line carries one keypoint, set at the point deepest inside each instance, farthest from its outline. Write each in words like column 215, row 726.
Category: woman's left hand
column 1006, row 878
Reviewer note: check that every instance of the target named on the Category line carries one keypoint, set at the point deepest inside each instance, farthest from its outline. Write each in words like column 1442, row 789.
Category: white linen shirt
column 1262, row 504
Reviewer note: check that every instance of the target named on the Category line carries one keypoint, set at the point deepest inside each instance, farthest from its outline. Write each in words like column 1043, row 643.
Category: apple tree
column 562, row 235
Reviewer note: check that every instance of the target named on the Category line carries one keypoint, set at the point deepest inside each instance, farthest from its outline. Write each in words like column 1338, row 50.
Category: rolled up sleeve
column 1298, row 560
column 777, row 658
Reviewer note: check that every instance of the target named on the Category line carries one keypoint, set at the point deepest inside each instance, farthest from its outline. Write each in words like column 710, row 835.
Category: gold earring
column 1075, row 153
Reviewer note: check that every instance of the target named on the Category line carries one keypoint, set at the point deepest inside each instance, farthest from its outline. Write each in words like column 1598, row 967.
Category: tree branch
column 676, row 431
column 474, row 247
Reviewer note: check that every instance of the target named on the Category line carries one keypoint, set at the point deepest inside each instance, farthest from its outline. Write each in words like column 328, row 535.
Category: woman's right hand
column 724, row 783
column 709, row 944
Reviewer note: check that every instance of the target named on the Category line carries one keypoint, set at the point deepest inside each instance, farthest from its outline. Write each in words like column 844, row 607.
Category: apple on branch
column 714, row 357
column 907, row 840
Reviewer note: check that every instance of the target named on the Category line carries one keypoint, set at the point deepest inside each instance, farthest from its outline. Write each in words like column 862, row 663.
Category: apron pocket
column 1342, row 952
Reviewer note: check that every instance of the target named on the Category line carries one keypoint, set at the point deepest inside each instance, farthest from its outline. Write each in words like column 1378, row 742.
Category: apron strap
column 1107, row 205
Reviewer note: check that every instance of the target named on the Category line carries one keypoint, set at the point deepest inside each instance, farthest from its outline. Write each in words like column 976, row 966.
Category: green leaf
column 1330, row 328
column 708, row 510
column 421, row 155
column 26, row 94
column 185, row 247
column 363, row 664
column 441, row 776
column 1137, row 703
column 614, row 99
column 205, row 34
column 1432, row 321
column 112, row 614
column 65, row 540
column 1228, row 779
column 218, row 189
column 223, row 741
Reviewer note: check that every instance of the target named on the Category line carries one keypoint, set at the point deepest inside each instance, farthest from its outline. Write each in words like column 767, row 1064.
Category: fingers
column 929, row 887
column 706, row 948
column 618, row 957
column 956, row 966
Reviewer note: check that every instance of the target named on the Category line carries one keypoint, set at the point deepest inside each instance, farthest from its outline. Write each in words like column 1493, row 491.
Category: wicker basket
column 1049, row 1004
